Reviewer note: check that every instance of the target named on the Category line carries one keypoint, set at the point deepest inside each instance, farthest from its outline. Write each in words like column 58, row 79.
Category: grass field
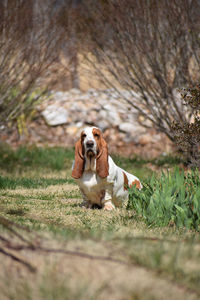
column 56, row 249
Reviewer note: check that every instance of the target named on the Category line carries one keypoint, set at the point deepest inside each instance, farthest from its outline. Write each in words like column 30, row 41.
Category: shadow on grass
column 16, row 212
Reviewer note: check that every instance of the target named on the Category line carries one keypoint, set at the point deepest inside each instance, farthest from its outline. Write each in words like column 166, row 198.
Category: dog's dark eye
column 83, row 135
column 96, row 135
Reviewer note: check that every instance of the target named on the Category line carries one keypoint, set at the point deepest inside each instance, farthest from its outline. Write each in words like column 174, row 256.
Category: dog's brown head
column 91, row 144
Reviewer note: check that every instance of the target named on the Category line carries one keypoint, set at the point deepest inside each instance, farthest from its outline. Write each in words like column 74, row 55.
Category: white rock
column 103, row 114
column 102, row 124
column 79, row 124
column 111, row 114
column 55, row 115
column 127, row 127
column 75, row 91
column 72, row 130
column 114, row 118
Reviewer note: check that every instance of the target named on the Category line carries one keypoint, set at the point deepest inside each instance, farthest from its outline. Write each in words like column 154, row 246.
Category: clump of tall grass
column 173, row 199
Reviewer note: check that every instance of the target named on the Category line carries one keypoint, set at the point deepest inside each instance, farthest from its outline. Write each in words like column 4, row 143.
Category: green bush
column 173, row 199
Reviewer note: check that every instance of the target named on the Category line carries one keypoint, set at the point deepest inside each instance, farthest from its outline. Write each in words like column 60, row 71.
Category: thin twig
column 83, row 255
column 18, row 259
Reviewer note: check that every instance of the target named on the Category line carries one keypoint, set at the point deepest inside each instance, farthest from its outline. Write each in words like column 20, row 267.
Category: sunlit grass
column 41, row 196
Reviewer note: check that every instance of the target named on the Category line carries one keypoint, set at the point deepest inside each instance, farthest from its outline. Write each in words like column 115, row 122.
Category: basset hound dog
column 100, row 180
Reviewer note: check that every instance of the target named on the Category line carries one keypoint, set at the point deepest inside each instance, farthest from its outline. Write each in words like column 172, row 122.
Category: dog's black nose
column 90, row 144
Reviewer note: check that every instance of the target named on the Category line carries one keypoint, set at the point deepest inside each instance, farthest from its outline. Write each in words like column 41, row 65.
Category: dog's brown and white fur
column 100, row 180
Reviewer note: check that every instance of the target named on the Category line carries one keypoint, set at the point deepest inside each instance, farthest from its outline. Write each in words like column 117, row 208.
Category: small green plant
column 174, row 199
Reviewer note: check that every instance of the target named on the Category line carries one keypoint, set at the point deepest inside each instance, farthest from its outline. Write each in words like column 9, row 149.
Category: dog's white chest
column 92, row 186
column 91, row 180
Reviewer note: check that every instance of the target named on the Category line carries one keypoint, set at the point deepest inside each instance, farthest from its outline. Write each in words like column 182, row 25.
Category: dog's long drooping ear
column 102, row 166
column 79, row 161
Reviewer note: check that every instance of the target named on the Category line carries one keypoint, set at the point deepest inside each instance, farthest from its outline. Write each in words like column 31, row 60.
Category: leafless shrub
column 67, row 14
column 187, row 135
column 29, row 47
column 148, row 48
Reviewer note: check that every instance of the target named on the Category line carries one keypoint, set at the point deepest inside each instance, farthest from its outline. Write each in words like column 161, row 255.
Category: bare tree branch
column 147, row 48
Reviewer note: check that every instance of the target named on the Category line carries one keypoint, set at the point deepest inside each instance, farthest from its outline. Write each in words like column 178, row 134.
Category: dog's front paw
column 86, row 204
column 108, row 206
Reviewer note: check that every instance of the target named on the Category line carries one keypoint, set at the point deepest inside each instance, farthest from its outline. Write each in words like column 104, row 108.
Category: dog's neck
column 90, row 163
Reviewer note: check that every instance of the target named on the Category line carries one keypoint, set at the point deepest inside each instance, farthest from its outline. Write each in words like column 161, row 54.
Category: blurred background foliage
column 149, row 48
